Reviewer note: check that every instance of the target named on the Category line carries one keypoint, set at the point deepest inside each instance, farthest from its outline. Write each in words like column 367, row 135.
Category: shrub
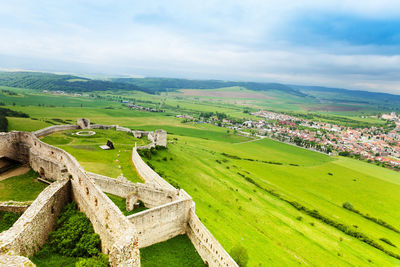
column 240, row 255
column 99, row 261
column 74, row 235
column 348, row 206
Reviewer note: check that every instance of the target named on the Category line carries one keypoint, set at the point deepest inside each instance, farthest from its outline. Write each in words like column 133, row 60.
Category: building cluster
column 138, row 107
column 375, row 144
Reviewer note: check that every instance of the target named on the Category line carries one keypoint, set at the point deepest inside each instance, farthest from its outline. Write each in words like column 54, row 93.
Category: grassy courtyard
column 23, row 187
column 86, row 150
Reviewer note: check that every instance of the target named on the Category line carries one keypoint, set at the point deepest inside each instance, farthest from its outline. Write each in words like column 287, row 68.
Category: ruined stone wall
column 31, row 230
column 102, row 126
column 150, row 195
column 54, row 128
column 14, row 206
column 107, row 220
column 13, row 148
column 209, row 249
column 147, row 173
column 161, row 223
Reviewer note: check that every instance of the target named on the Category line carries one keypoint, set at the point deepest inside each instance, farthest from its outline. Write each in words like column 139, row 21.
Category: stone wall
column 31, row 230
column 14, row 206
column 209, row 249
column 147, row 173
column 150, row 195
column 54, row 128
column 161, row 223
column 107, row 220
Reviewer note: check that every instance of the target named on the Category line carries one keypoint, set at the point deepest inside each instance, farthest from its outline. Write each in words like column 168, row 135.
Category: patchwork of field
column 242, row 190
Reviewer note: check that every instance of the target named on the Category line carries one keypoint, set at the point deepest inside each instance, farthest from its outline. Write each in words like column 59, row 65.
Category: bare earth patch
column 15, row 172
column 224, row 94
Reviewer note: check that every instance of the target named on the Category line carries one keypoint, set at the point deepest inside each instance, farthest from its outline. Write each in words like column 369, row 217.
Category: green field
column 279, row 234
column 242, row 190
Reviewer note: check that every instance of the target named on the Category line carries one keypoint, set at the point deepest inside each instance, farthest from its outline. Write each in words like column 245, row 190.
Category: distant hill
column 349, row 96
column 54, row 82
column 162, row 84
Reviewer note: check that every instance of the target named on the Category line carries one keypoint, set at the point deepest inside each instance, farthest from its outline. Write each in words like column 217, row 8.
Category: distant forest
column 54, row 82
column 163, row 84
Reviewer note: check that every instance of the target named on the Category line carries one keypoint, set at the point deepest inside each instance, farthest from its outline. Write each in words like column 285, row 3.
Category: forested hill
column 161, row 84
column 54, row 82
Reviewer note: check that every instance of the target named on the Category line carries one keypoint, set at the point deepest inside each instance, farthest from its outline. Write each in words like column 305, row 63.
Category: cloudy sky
column 351, row 44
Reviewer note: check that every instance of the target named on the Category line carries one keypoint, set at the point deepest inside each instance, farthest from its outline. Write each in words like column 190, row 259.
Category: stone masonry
column 171, row 211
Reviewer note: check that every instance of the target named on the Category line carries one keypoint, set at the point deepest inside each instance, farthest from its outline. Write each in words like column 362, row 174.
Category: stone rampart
column 107, row 220
column 31, row 230
column 150, row 195
column 54, row 128
column 161, row 223
column 14, row 206
column 147, row 173
column 102, row 126
column 209, row 249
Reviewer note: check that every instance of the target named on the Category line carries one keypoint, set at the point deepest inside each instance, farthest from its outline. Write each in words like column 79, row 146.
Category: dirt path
column 18, row 171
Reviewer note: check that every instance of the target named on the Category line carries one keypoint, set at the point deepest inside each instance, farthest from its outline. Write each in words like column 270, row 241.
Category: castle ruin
column 171, row 211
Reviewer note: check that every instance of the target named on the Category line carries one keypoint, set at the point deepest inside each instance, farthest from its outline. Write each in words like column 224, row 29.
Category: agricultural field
column 283, row 204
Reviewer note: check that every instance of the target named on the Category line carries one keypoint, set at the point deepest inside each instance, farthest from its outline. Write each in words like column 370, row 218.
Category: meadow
column 242, row 190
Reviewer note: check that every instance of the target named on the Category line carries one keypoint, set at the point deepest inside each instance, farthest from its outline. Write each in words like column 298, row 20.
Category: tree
column 239, row 254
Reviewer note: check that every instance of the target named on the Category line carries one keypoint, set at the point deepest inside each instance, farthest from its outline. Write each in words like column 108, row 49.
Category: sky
column 348, row 44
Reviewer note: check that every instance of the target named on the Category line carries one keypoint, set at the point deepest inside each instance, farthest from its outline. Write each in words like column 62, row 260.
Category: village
column 375, row 144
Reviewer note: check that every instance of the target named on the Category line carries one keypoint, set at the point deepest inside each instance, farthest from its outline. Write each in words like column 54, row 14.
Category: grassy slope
column 225, row 201
column 21, row 188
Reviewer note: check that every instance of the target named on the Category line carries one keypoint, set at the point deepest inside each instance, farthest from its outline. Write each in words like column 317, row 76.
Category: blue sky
column 351, row 44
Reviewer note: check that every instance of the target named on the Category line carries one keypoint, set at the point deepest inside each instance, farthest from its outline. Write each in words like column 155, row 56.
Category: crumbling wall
column 83, row 123
column 150, row 195
column 54, row 128
column 107, row 220
column 209, row 249
column 147, row 173
column 14, row 206
column 30, row 231
column 160, row 138
column 161, row 223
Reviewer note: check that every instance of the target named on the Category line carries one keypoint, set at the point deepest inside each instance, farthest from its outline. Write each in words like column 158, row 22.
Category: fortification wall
column 147, row 173
column 54, row 128
column 14, row 206
column 107, row 220
column 31, row 230
column 161, row 223
column 151, row 196
column 102, row 126
column 209, row 249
